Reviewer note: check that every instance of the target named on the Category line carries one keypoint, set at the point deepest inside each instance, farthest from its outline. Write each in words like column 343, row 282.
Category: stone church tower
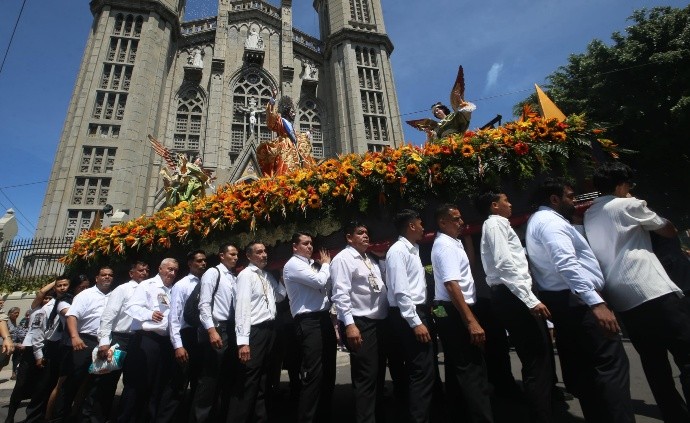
column 200, row 87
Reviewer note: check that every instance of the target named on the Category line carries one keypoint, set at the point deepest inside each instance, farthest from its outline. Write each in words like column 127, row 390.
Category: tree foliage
column 640, row 87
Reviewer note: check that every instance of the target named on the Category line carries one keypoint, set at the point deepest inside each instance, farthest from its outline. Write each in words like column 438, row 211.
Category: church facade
column 200, row 87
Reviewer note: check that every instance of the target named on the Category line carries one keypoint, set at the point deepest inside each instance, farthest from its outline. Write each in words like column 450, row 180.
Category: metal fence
column 24, row 260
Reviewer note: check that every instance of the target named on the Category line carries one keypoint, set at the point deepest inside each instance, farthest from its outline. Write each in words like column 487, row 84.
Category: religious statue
column 182, row 181
column 311, row 72
column 195, row 58
column 254, row 40
column 253, row 111
column 455, row 122
column 290, row 149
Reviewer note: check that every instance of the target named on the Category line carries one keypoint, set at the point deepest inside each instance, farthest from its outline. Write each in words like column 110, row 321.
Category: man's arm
column 111, row 310
column 299, row 271
column 175, row 322
column 208, row 284
column 77, row 343
column 477, row 336
column 137, row 306
column 342, row 289
column 7, row 344
column 243, row 315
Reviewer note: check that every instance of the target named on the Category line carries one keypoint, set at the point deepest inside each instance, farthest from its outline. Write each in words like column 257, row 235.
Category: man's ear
column 554, row 199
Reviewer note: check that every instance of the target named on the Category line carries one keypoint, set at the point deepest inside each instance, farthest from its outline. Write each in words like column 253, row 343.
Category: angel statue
column 182, row 181
column 290, row 149
column 455, row 122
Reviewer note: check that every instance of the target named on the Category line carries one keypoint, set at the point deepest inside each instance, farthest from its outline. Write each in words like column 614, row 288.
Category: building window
column 109, row 106
column 116, row 77
column 371, row 95
column 97, row 160
column 91, row 191
column 250, row 93
column 188, row 121
column 129, row 26
column 376, row 148
column 122, row 50
column 310, row 120
column 104, row 131
column 359, row 11
column 78, row 221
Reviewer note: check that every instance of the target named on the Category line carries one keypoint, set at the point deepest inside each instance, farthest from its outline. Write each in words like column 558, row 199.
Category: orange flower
column 380, row 168
column 435, row 168
column 467, row 150
column 542, row 130
column 521, row 148
column 558, row 136
column 412, row 169
column 403, row 180
column 389, row 178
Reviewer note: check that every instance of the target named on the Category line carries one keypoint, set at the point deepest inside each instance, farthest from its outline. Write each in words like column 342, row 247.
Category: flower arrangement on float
column 317, row 198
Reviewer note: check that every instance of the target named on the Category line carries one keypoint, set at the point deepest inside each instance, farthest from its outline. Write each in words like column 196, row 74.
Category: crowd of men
column 204, row 348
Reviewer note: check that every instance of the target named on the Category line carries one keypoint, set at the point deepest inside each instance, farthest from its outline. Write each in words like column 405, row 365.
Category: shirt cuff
column 413, row 321
column 208, row 324
column 177, row 344
column 591, row 297
column 348, row 319
column 38, row 354
column 242, row 340
column 104, row 341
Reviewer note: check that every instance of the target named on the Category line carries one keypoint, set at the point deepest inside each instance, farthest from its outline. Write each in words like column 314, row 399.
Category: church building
column 201, row 87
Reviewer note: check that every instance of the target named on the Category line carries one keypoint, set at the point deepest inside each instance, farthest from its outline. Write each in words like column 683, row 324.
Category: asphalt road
column 505, row 410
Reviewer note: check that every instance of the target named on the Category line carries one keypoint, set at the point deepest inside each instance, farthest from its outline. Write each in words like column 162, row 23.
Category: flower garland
column 316, row 198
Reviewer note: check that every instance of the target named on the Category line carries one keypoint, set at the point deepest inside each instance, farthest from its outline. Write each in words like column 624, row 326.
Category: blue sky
column 504, row 46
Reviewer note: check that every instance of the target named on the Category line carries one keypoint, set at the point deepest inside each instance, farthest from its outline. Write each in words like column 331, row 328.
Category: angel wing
column 422, row 124
column 457, row 94
column 163, row 151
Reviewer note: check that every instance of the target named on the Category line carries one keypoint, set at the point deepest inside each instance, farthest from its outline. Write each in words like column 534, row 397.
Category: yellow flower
column 380, row 168
column 368, row 165
column 412, row 169
column 389, row 178
column 467, row 150
column 324, row 188
column 314, row 201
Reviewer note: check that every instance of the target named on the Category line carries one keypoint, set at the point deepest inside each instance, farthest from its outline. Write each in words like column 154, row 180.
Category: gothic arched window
column 251, row 92
column 188, row 121
column 359, row 11
column 310, row 120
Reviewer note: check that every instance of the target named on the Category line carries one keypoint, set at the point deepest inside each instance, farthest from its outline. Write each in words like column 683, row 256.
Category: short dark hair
column 352, row 225
column 193, row 253
column 104, row 267
column 441, row 106
column 250, row 247
column 297, row 235
column 403, row 218
column 138, row 263
column 224, row 247
column 444, row 210
column 611, row 174
column 484, row 200
column 552, row 186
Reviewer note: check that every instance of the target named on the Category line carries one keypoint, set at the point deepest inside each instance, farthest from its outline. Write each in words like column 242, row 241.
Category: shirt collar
column 304, row 259
column 350, row 249
column 254, row 269
column 498, row 217
column 448, row 238
column 410, row 246
column 549, row 209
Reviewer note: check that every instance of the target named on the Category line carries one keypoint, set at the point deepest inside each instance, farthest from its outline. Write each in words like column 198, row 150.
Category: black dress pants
column 99, row 401
column 419, row 363
column 81, row 360
column 368, row 369
column 529, row 336
column 248, row 400
column 595, row 366
column 45, row 382
column 467, row 384
column 317, row 372
column 184, row 375
column 218, row 370
column 27, row 375
column 146, row 375
column 657, row 327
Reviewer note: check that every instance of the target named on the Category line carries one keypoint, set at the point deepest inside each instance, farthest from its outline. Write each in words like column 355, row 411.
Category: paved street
column 505, row 410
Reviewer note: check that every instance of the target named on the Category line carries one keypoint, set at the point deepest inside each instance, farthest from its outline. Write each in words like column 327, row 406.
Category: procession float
column 296, row 192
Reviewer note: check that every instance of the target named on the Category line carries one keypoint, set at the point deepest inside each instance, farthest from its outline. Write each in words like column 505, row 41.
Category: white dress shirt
column 504, row 259
column 224, row 303
column 151, row 295
column 306, row 288
column 257, row 293
column 358, row 288
column 561, row 258
column 114, row 318
column 406, row 279
column 88, row 308
column 56, row 329
column 617, row 230
column 179, row 294
column 450, row 263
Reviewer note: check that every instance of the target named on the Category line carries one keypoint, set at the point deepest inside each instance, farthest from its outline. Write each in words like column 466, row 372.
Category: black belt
column 312, row 314
column 264, row 324
column 152, row 335
column 422, row 307
column 89, row 337
column 122, row 334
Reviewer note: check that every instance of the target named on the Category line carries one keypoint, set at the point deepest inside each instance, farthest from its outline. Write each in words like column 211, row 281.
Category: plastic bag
column 114, row 361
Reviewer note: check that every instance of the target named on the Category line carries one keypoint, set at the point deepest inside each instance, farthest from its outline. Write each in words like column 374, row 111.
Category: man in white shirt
column 360, row 298
column 184, row 337
column 515, row 305
column 150, row 356
column 83, row 322
column 255, row 313
column 114, row 329
column 409, row 313
column 595, row 367
column 638, row 287
column 462, row 337
column 307, row 291
column 219, row 346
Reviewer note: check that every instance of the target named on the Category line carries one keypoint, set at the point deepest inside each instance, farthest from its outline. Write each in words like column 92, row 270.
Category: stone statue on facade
column 254, row 40
column 310, row 71
column 196, row 58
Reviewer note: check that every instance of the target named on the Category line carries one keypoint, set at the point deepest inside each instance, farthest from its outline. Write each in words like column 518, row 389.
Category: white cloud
column 492, row 75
